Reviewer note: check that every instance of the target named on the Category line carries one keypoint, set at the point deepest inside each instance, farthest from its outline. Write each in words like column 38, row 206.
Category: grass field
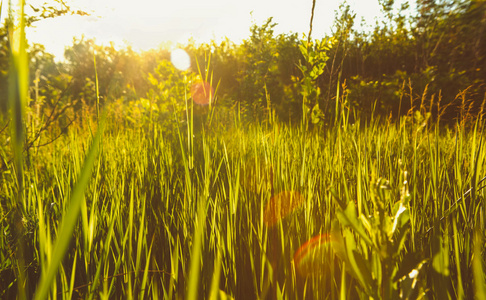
column 210, row 213
column 223, row 208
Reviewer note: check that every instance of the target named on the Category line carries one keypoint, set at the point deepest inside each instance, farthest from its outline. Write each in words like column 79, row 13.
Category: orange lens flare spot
column 280, row 206
column 313, row 255
column 202, row 92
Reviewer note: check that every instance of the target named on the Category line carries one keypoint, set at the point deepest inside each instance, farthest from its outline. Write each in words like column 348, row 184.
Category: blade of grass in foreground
column 478, row 267
column 196, row 253
column 70, row 218
column 17, row 94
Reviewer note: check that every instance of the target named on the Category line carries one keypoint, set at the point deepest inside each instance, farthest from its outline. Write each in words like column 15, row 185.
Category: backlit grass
column 153, row 224
column 373, row 208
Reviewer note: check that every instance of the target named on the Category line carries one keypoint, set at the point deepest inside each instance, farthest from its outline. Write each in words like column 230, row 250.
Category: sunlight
column 146, row 24
column 180, row 59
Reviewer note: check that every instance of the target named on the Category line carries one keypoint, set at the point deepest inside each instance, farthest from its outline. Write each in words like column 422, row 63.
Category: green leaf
column 337, row 241
column 440, row 261
column 477, row 266
column 401, row 218
column 317, row 115
column 196, row 253
column 399, row 241
column 356, row 261
column 303, row 49
column 280, row 292
column 349, row 218
column 224, row 296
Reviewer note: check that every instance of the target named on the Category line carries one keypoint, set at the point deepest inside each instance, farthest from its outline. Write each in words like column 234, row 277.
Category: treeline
column 425, row 58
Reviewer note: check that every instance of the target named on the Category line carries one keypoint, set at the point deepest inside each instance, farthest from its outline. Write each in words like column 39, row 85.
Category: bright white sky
column 145, row 24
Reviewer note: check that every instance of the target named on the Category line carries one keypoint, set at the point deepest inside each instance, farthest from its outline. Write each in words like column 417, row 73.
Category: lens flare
column 313, row 255
column 180, row 59
column 202, row 92
column 280, row 206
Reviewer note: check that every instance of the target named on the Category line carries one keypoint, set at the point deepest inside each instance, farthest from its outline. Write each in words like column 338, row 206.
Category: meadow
column 186, row 194
column 397, row 209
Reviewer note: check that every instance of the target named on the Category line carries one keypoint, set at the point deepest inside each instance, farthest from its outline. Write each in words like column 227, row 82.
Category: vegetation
column 350, row 167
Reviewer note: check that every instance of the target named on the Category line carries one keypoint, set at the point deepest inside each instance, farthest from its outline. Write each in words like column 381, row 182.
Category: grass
column 400, row 204
column 152, row 224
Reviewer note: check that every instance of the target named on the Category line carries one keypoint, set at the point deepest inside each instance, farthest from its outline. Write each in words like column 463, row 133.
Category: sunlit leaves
column 169, row 88
column 373, row 245
column 440, row 261
column 315, row 55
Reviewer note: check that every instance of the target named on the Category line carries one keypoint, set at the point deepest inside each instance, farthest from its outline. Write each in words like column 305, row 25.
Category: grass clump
column 153, row 224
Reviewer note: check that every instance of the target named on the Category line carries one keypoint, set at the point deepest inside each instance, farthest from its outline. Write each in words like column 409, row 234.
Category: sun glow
column 146, row 24
column 180, row 59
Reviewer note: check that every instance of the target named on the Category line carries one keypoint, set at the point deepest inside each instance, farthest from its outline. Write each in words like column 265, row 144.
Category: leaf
column 224, row 296
column 478, row 272
column 317, row 114
column 316, row 71
column 280, row 292
column 365, row 223
column 401, row 218
column 337, row 241
column 349, row 218
column 399, row 241
column 303, row 49
column 356, row 261
column 364, row 270
column 440, row 261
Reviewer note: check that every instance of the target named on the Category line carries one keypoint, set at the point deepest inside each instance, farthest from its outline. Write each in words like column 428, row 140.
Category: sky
column 146, row 24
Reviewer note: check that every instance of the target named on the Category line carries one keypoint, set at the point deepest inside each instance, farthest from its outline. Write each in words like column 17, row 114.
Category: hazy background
column 146, row 24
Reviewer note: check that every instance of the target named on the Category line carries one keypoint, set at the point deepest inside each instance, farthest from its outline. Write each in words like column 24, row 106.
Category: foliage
column 170, row 209
column 144, row 203
column 170, row 88
column 374, row 247
column 429, row 51
column 439, row 50
column 315, row 56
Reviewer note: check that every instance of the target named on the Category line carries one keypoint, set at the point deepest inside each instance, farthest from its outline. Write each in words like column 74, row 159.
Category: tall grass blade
column 70, row 218
column 478, row 264
column 97, row 89
column 18, row 93
column 196, row 253
column 213, row 292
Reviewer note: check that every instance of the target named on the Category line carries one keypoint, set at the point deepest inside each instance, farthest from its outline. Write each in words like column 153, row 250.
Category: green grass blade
column 73, row 276
column 143, row 287
column 342, row 290
column 70, row 218
column 17, row 95
column 213, row 293
column 196, row 253
column 460, row 288
column 478, row 271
